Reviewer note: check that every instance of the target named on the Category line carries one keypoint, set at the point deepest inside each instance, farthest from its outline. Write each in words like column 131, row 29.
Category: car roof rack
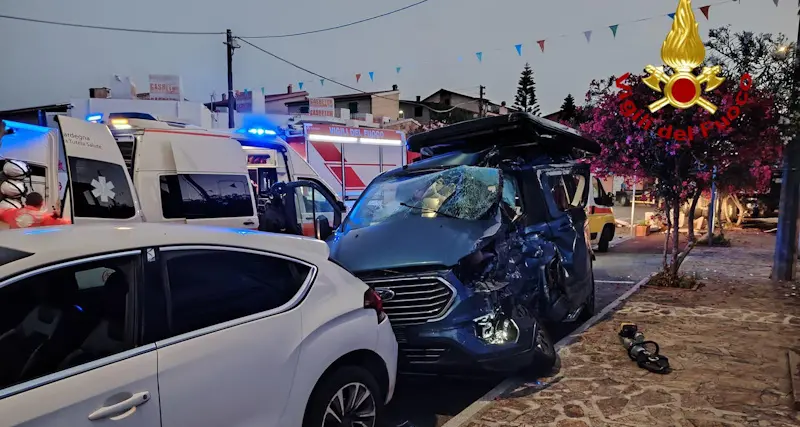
column 513, row 129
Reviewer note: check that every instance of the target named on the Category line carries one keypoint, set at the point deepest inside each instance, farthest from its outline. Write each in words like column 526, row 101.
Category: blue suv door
column 566, row 188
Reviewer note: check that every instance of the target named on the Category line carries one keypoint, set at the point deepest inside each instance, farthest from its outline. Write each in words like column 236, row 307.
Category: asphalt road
column 432, row 401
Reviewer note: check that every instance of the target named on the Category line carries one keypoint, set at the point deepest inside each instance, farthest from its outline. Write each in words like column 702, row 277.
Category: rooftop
column 350, row 96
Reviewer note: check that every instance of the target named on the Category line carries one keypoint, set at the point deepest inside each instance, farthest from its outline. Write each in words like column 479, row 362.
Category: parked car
column 488, row 243
column 182, row 325
column 602, row 224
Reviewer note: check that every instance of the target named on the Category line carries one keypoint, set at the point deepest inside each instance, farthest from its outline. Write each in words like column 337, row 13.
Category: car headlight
column 496, row 330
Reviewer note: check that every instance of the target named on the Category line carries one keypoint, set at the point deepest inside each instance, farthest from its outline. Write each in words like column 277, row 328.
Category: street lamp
column 781, row 52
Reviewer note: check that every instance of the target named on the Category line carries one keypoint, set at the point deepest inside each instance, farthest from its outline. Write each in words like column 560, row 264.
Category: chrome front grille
column 415, row 299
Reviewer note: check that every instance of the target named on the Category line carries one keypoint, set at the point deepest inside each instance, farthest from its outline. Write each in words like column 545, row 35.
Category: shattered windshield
column 463, row 192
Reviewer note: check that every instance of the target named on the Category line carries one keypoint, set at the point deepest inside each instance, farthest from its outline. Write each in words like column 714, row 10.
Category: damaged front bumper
column 443, row 326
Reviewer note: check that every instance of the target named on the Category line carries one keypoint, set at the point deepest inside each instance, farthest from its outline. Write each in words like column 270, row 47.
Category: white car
column 179, row 325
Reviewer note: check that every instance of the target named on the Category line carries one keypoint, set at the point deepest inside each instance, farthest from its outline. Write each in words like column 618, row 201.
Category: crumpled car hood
column 414, row 241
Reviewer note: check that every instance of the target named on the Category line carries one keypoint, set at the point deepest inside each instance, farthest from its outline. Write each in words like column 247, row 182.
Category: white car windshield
column 463, row 192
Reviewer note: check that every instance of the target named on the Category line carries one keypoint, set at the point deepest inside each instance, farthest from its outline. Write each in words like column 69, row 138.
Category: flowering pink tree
column 681, row 148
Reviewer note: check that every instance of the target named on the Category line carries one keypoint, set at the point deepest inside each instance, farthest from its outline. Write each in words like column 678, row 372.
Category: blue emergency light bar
column 258, row 131
column 94, row 118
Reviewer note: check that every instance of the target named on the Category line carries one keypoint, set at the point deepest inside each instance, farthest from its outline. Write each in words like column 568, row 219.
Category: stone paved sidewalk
column 726, row 342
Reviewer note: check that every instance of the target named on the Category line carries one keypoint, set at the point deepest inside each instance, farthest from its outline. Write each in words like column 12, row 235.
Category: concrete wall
column 386, row 105
column 410, row 112
column 364, row 105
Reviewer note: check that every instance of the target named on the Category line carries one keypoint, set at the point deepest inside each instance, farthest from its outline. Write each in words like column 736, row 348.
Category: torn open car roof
column 509, row 129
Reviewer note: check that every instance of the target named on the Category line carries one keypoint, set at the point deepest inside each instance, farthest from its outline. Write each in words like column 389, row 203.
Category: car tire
column 544, row 354
column 348, row 380
column 605, row 239
column 589, row 306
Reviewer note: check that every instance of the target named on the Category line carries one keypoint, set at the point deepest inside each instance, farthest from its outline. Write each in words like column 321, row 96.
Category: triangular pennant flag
column 776, row 2
column 262, row 91
column 588, row 35
column 541, row 44
column 322, row 82
column 671, row 15
column 480, row 56
column 358, row 77
column 372, row 76
column 704, row 9
column 300, row 85
column 614, row 29
column 398, row 69
column 518, row 47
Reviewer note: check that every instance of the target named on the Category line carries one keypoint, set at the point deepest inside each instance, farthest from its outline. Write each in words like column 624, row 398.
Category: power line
column 205, row 33
column 127, row 30
column 284, row 60
column 321, row 30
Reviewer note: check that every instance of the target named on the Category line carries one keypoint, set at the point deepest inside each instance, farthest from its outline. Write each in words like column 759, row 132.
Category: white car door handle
column 122, row 409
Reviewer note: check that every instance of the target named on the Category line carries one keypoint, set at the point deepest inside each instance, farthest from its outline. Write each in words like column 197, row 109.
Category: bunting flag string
column 705, row 10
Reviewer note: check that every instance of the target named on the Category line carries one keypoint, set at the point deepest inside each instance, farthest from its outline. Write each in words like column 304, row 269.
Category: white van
column 186, row 174
column 269, row 161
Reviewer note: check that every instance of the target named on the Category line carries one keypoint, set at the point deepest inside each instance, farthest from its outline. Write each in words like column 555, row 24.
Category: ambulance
column 133, row 167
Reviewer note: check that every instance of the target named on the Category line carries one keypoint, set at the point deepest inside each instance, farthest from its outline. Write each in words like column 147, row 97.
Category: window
column 304, row 109
column 208, row 287
column 598, row 192
column 417, row 111
column 101, row 189
column 64, row 318
column 197, row 196
column 567, row 190
column 312, row 205
column 353, row 106
column 511, row 192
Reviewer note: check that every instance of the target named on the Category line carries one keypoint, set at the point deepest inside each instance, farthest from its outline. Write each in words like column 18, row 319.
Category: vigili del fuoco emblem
column 683, row 52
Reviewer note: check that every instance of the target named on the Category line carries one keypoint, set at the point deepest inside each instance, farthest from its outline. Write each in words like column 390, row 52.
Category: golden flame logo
column 683, row 51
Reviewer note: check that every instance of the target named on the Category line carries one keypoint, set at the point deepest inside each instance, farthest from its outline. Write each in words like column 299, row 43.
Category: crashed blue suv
column 478, row 245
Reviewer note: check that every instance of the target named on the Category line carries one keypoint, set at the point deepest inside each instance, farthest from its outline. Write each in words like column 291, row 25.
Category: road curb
column 621, row 240
column 464, row 416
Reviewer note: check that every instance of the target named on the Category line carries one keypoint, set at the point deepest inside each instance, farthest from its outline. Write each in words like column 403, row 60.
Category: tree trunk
column 690, row 216
column 669, row 232
column 676, row 212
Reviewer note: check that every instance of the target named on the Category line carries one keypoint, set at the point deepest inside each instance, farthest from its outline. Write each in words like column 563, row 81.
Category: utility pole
column 480, row 102
column 786, row 241
column 231, row 45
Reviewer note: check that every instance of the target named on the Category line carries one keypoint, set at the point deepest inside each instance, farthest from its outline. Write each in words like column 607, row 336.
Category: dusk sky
column 46, row 64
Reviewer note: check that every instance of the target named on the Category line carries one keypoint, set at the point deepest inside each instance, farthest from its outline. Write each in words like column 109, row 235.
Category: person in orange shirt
column 31, row 215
